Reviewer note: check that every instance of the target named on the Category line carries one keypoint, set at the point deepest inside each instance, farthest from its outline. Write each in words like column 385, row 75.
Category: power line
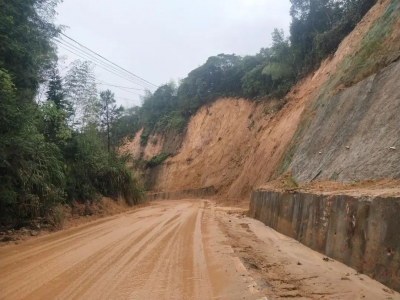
column 104, row 64
column 100, row 64
column 121, row 89
column 124, row 98
column 107, row 60
column 80, row 55
column 104, row 83
column 117, row 86
column 85, row 55
column 89, row 56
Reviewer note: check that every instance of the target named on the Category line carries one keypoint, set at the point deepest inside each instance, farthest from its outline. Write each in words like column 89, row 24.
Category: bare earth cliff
column 237, row 145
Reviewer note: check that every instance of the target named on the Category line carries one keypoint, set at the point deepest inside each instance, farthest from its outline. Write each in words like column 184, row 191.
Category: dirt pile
column 367, row 188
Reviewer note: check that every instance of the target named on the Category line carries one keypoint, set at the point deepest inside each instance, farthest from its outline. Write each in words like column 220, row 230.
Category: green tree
column 57, row 94
column 81, row 92
column 318, row 27
column 256, row 83
column 93, row 172
column 109, row 115
column 26, row 47
column 220, row 76
column 128, row 124
column 280, row 64
column 162, row 102
column 31, row 170
column 56, row 111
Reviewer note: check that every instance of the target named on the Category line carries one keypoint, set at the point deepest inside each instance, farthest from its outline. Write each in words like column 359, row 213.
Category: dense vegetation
column 317, row 28
column 61, row 148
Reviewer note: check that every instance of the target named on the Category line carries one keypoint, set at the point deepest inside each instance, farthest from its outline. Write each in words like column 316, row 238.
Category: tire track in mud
column 138, row 264
column 65, row 261
column 60, row 240
column 105, row 262
column 154, row 253
column 147, row 270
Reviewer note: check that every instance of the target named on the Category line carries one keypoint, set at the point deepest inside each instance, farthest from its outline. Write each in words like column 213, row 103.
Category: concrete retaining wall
column 363, row 233
column 193, row 193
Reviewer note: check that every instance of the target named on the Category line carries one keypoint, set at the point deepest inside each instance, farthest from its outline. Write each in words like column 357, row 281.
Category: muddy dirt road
column 186, row 249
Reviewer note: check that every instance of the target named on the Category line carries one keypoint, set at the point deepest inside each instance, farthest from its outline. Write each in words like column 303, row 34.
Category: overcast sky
column 161, row 40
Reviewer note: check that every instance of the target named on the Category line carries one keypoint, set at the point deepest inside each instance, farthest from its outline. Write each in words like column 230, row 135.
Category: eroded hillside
column 237, row 145
column 355, row 135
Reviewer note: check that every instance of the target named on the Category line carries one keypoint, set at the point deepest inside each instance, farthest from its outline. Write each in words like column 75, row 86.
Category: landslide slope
column 237, row 145
column 355, row 134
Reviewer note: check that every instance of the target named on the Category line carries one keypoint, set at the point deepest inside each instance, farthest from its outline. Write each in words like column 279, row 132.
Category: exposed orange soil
column 153, row 147
column 237, row 145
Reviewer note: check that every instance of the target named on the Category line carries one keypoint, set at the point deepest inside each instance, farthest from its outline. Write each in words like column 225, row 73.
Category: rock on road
column 183, row 249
